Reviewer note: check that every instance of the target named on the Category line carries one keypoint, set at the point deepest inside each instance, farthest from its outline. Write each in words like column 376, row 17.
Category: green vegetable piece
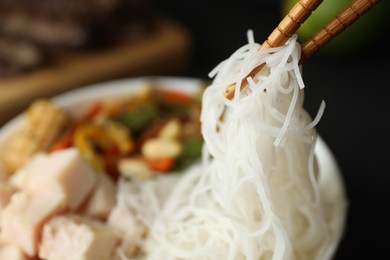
column 192, row 148
column 192, row 151
column 138, row 118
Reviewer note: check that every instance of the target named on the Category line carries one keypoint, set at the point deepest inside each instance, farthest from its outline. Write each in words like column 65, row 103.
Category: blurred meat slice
column 48, row 27
column 70, row 23
column 18, row 55
column 43, row 29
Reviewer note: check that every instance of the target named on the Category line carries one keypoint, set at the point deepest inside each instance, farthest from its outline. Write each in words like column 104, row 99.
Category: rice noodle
column 255, row 195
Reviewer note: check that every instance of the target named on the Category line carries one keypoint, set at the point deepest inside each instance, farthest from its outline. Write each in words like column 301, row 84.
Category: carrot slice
column 65, row 142
column 162, row 165
column 176, row 97
column 93, row 111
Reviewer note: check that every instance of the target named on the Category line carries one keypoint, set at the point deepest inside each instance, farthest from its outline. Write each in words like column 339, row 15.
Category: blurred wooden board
column 164, row 51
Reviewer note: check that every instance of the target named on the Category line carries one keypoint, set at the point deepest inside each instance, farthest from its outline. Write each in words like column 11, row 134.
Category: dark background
column 354, row 86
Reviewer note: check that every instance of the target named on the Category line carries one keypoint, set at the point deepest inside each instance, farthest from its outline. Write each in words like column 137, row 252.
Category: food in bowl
column 76, row 148
column 262, row 184
column 156, row 127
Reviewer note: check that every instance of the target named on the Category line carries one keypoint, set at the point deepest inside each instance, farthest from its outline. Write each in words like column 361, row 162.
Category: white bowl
column 330, row 178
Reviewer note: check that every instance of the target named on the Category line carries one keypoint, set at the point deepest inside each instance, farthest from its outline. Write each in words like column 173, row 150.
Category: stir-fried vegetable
column 156, row 132
column 138, row 118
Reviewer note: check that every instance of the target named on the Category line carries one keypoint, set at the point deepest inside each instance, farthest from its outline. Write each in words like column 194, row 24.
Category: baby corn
column 42, row 124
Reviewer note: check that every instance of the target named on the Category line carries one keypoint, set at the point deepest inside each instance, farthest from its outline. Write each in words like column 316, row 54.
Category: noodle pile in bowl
column 257, row 193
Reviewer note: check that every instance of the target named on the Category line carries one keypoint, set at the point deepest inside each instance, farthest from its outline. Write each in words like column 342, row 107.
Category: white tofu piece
column 22, row 219
column 6, row 191
column 102, row 199
column 20, row 178
column 11, row 252
column 65, row 171
column 77, row 237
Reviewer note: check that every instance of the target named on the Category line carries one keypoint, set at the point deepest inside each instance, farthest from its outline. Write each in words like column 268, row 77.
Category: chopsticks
column 291, row 23
column 335, row 26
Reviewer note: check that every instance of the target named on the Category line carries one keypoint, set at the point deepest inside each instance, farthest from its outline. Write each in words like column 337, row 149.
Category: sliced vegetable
column 119, row 134
column 93, row 110
column 161, row 165
column 172, row 96
column 192, row 148
column 135, row 168
column 138, row 118
column 86, row 138
column 64, row 142
column 110, row 158
column 160, row 128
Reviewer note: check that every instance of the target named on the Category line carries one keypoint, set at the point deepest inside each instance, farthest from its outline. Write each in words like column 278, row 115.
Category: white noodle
column 255, row 195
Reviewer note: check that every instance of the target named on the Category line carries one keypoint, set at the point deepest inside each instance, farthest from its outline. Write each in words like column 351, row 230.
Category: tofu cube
column 11, row 252
column 64, row 171
column 102, row 199
column 22, row 219
column 6, row 191
column 78, row 238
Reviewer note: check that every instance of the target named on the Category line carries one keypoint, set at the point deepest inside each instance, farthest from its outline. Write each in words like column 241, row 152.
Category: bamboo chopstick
column 286, row 28
column 335, row 26
column 297, row 15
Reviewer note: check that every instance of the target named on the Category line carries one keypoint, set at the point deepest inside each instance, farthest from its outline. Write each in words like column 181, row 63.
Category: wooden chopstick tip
column 229, row 91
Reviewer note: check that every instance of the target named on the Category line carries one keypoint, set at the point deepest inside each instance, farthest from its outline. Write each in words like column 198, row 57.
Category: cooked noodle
column 255, row 194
